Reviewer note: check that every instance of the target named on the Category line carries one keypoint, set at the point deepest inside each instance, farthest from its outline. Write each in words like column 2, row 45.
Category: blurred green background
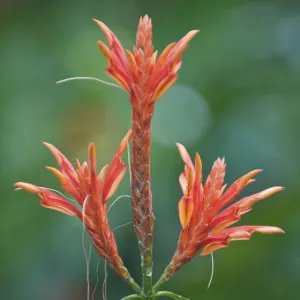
column 237, row 96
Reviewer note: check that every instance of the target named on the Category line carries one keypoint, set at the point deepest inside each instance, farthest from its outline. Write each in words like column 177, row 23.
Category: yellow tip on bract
column 250, row 181
column 61, row 177
column 102, row 173
column 105, row 30
column 248, row 177
column 104, row 49
column 165, row 52
column 182, row 44
column 55, row 152
column 164, row 85
column 125, row 142
column 269, row 230
column 184, row 155
column 92, row 156
column 28, row 187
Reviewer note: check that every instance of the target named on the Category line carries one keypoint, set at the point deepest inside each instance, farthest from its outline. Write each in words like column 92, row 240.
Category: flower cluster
column 205, row 209
column 205, row 212
column 91, row 191
column 129, row 68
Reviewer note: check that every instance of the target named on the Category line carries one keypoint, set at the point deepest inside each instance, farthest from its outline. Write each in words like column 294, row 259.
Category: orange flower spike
column 144, row 37
column 89, row 187
column 213, row 187
column 141, row 65
column 146, row 78
column 206, row 218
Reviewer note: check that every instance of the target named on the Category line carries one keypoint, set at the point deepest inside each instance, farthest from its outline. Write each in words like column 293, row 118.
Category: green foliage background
column 237, row 96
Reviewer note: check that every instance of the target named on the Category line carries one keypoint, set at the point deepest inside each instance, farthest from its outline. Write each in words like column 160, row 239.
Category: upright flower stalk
column 206, row 211
column 146, row 79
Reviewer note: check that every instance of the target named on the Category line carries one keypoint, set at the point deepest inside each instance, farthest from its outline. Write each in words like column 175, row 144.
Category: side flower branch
column 205, row 215
column 91, row 191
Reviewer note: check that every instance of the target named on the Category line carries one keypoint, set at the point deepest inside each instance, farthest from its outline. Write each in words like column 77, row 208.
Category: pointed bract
column 221, row 240
column 186, row 207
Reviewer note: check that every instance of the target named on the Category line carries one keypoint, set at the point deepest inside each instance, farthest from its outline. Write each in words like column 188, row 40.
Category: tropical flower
column 91, row 191
column 145, row 76
column 141, row 71
column 204, row 212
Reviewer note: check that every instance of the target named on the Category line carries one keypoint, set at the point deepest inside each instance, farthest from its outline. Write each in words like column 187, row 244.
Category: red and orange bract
column 204, row 212
column 129, row 68
column 91, row 191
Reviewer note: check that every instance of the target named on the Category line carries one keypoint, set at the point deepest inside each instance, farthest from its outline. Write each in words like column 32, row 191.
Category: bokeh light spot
column 182, row 115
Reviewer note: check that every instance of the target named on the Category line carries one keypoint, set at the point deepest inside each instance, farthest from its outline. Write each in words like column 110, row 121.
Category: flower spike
column 129, row 69
column 203, row 215
column 86, row 187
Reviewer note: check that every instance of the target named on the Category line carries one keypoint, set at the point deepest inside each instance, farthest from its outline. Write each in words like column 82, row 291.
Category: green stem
column 132, row 297
column 170, row 295
column 163, row 279
column 134, row 285
column 147, row 277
